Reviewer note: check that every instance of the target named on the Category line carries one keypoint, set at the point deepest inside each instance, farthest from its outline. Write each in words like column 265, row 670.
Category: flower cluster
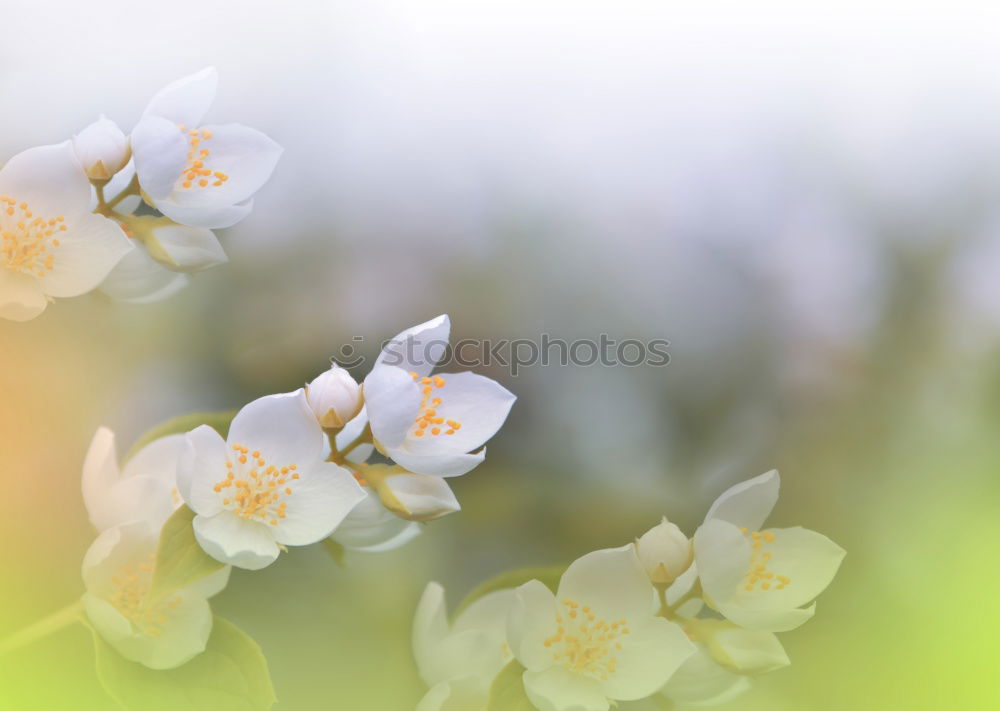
column 130, row 215
column 689, row 619
column 293, row 470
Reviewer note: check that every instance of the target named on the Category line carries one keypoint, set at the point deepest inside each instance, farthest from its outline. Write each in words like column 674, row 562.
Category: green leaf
column 230, row 675
column 219, row 421
column 335, row 550
column 180, row 560
column 549, row 576
column 507, row 692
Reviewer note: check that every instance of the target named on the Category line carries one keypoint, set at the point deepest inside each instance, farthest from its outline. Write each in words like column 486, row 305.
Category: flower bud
column 335, row 398
column 179, row 248
column 102, row 148
column 414, row 497
column 665, row 552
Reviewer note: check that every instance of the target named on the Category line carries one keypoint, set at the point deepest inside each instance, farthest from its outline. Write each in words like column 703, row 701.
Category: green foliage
column 180, row 560
column 548, row 576
column 219, row 421
column 230, row 675
column 507, row 692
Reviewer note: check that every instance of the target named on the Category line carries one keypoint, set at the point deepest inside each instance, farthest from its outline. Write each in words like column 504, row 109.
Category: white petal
column 531, row 621
column 183, row 636
column 116, row 185
column 747, row 504
column 430, row 628
column 320, row 500
column 419, row 348
column 767, row 620
column 234, row 541
column 210, row 585
column 214, row 218
column 158, row 459
column 748, row 651
column 186, row 249
column 445, row 465
column 245, row 155
column 417, row 497
column 722, row 553
column 371, row 528
column 21, row 297
column 105, row 618
column 88, row 250
column 350, row 432
column 138, row 498
column 113, row 548
column 467, row 693
column 139, row 279
column 480, row 406
column 702, row 682
column 648, row 658
column 186, row 100
column 613, row 582
column 392, row 400
column 159, row 151
column 49, row 179
column 100, row 473
column 281, row 427
column 488, row 614
column 556, row 689
column 202, row 463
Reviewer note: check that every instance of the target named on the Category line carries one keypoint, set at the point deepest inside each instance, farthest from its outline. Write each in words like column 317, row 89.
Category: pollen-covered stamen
column 254, row 489
column 759, row 575
column 28, row 241
column 132, row 584
column 428, row 420
column 196, row 174
column 584, row 644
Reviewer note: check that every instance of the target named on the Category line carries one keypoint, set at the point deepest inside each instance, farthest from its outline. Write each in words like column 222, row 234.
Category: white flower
column 664, row 551
column 51, row 245
column 146, row 490
column 459, row 660
column 414, row 497
column 160, row 633
column 430, row 424
column 598, row 639
column 335, row 397
column 760, row 579
column 102, row 149
column 371, row 528
column 203, row 175
column 701, row 681
column 267, row 486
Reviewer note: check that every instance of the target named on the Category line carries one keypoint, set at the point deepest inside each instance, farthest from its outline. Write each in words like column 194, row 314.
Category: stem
column 339, row 456
column 44, row 627
column 131, row 189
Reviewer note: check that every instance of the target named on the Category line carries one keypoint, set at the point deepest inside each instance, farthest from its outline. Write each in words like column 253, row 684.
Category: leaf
column 335, row 550
column 507, row 691
column 180, row 560
column 548, row 576
column 219, row 421
column 230, row 675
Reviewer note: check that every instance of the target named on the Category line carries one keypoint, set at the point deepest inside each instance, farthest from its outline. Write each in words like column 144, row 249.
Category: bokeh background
column 804, row 198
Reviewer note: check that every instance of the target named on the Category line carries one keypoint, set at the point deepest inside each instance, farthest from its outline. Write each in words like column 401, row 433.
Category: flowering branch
column 42, row 628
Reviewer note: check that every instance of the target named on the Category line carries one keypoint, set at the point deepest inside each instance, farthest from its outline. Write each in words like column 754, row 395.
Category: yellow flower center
column 758, row 575
column 28, row 241
column 132, row 583
column 195, row 173
column 258, row 488
column 428, row 420
column 584, row 644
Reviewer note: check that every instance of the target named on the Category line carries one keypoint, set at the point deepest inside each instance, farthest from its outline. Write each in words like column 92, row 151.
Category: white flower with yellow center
column 201, row 175
column 51, row 244
column 596, row 640
column 267, row 486
column 458, row 660
column 430, row 424
column 761, row 579
column 145, row 490
column 160, row 633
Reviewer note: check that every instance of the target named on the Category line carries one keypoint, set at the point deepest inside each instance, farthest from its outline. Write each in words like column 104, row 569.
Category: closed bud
column 335, row 397
column 414, row 497
column 102, row 149
column 665, row 552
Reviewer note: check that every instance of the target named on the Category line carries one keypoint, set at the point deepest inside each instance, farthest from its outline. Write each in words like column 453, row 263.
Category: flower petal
column 613, row 582
column 183, row 636
column 722, row 554
column 445, row 465
column 419, row 348
column 186, row 100
column 159, row 150
column 100, row 473
column 49, row 179
column 210, row 585
column 748, row 651
column 648, row 658
column 767, row 620
column 320, row 500
column 158, row 459
column 200, row 465
column 556, row 689
column 86, row 254
column 21, row 297
column 392, row 400
column 282, row 427
column 235, row 541
column 371, row 528
column 140, row 279
column 350, row 432
column 701, row 681
column 747, row 504
column 186, row 249
column 417, row 497
column 532, row 620
column 214, row 218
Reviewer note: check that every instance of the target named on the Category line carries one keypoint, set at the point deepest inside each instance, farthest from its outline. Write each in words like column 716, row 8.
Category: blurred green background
column 802, row 200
